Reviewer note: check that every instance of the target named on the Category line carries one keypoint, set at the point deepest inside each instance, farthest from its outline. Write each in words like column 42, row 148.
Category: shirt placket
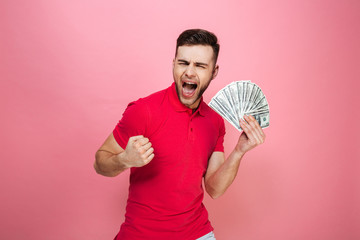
column 191, row 127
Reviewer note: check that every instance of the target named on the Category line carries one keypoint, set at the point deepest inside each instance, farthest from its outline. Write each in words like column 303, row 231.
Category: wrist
column 239, row 153
column 120, row 160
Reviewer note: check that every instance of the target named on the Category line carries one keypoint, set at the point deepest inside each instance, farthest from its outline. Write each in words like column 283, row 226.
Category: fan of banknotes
column 241, row 98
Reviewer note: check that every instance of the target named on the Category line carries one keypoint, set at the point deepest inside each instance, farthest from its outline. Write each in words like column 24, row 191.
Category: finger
column 250, row 132
column 142, row 141
column 149, row 152
column 256, row 127
column 146, row 146
column 260, row 131
column 134, row 138
column 149, row 155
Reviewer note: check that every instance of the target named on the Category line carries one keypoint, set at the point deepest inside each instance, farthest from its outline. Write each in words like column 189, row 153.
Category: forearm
column 220, row 180
column 109, row 164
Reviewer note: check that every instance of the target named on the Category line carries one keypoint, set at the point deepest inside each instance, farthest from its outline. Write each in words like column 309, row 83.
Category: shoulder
column 147, row 108
column 153, row 99
column 215, row 120
column 138, row 116
column 210, row 113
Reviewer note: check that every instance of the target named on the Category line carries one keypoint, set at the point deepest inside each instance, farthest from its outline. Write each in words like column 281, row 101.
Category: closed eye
column 200, row 66
column 182, row 62
column 197, row 64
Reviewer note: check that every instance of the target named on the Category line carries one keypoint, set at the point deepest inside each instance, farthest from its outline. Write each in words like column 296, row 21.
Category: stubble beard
column 201, row 92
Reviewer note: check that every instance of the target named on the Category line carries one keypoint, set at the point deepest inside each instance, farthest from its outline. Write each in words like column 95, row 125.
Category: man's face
column 193, row 69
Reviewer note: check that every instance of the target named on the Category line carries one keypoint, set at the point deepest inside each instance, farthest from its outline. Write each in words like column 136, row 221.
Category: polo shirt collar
column 179, row 107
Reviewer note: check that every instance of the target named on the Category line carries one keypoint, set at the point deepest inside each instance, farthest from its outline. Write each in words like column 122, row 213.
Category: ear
column 173, row 63
column 215, row 72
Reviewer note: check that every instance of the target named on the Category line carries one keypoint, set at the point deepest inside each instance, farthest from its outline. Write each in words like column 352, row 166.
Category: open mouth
column 188, row 89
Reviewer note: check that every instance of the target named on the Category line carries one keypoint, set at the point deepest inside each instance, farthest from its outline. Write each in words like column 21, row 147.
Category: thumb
column 135, row 138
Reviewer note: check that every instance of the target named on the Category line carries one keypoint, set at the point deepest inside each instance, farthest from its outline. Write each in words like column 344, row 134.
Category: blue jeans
column 209, row 236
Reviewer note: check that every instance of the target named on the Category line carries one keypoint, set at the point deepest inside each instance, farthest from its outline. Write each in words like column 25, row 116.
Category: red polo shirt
column 165, row 196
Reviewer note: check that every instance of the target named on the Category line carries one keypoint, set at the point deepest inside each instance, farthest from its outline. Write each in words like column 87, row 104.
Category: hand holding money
column 244, row 105
column 241, row 98
column 252, row 135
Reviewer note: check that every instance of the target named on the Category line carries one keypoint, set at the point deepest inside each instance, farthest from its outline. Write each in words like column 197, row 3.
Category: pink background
column 69, row 68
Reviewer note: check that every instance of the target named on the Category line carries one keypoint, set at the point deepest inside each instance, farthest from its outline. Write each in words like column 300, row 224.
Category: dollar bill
column 241, row 98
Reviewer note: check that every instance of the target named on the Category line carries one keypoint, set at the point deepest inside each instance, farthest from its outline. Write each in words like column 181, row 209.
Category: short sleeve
column 133, row 122
column 219, row 147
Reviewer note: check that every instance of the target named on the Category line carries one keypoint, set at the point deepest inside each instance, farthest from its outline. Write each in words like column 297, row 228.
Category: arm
column 111, row 159
column 220, row 173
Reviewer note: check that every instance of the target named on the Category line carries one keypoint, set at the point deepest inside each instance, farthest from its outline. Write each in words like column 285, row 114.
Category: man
column 172, row 140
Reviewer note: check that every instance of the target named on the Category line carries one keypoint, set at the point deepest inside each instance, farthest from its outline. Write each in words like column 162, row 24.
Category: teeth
column 190, row 83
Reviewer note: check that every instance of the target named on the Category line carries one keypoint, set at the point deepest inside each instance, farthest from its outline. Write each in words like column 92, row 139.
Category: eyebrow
column 197, row 63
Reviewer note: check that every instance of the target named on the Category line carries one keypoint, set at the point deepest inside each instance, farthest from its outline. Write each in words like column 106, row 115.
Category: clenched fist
column 138, row 151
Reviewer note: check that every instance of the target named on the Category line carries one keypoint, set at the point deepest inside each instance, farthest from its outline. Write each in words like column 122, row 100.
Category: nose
column 190, row 71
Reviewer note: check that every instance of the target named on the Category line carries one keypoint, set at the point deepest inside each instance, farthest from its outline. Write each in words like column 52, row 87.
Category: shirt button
column 190, row 129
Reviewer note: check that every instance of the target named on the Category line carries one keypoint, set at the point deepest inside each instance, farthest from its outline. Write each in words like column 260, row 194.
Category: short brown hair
column 198, row 37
